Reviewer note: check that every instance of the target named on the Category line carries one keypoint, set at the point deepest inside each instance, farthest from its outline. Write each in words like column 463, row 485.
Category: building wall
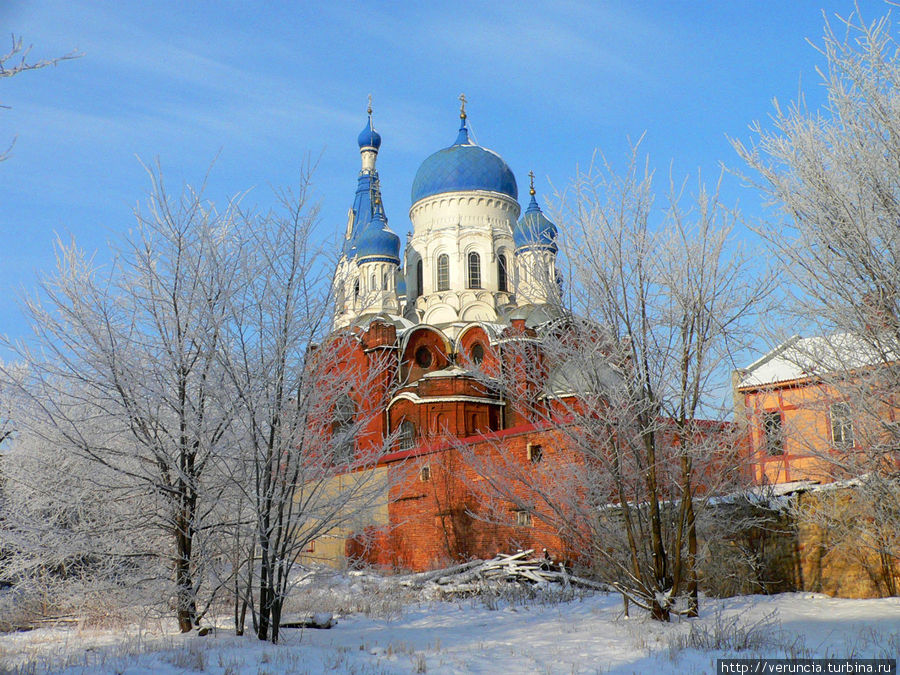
column 806, row 432
column 444, row 516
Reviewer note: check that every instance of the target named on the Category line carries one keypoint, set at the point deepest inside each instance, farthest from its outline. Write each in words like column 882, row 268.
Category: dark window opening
column 501, row 273
column 423, row 357
column 418, row 278
column 477, row 353
column 356, row 290
column 523, row 518
column 425, row 473
column 474, row 270
column 774, row 433
column 535, row 453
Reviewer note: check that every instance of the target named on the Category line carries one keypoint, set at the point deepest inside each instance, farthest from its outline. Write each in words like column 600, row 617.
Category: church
column 470, row 294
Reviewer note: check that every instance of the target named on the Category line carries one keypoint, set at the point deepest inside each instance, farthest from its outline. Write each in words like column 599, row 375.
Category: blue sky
column 264, row 85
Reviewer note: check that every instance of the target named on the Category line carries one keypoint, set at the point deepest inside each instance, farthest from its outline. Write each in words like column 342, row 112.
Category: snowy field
column 383, row 630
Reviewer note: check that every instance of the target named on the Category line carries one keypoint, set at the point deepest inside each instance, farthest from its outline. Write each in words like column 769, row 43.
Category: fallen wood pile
column 516, row 568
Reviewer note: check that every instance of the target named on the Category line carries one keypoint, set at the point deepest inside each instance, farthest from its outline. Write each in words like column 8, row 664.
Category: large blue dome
column 461, row 167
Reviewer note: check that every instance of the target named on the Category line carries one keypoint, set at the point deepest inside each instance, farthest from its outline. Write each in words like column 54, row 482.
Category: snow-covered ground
column 401, row 635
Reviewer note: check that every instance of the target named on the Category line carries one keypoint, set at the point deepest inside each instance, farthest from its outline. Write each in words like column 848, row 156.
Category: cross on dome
column 462, row 106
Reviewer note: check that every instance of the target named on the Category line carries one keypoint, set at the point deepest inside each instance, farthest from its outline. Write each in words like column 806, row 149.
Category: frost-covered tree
column 194, row 376
column 300, row 474
column 16, row 61
column 832, row 177
column 124, row 369
column 631, row 374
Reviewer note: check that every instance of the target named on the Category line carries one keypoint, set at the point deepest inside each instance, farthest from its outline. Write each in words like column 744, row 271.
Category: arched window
column 418, row 278
column 443, row 272
column 384, row 280
column 501, row 273
column 356, row 290
column 407, row 435
column 474, row 270
column 477, row 353
column 342, row 428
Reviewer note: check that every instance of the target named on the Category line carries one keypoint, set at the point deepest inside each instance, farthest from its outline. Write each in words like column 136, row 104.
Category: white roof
column 800, row 358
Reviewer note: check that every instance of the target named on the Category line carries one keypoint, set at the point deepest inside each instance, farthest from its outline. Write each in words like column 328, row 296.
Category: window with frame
column 419, row 278
column 425, row 474
column 477, row 353
column 356, row 290
column 502, row 283
column 773, row 432
column 443, row 272
column 407, row 435
column 841, row 425
column 535, row 453
column 523, row 518
column 474, row 276
column 342, row 429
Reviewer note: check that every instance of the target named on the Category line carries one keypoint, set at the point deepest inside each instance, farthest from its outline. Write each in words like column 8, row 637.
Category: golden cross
column 462, row 107
column 531, row 175
column 369, row 109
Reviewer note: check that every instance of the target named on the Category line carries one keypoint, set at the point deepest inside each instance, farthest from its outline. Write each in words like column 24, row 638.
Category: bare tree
column 832, row 177
column 300, row 408
column 634, row 369
column 124, row 368
column 16, row 61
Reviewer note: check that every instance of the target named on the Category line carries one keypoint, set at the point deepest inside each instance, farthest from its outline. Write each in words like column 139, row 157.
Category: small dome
column 368, row 137
column 377, row 241
column 462, row 167
column 534, row 230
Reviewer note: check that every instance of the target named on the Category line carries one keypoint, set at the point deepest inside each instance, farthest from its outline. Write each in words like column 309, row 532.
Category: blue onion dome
column 534, row 230
column 368, row 137
column 377, row 241
column 462, row 167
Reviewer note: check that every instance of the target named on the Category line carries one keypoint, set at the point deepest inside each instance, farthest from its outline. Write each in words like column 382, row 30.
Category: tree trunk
column 187, row 606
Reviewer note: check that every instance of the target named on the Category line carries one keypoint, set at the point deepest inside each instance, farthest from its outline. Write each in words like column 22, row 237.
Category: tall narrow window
column 374, row 285
column 841, row 425
column 501, row 273
column 474, row 270
column 774, row 434
column 407, row 435
column 418, row 278
column 342, row 429
column 443, row 272
column 356, row 290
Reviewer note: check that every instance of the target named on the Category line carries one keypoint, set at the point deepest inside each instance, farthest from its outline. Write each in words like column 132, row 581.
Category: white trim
column 418, row 400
